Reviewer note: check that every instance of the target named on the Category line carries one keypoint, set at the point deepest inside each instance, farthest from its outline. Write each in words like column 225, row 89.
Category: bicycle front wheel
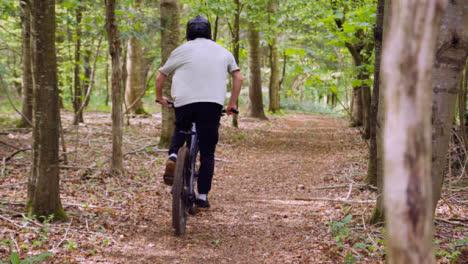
column 179, row 192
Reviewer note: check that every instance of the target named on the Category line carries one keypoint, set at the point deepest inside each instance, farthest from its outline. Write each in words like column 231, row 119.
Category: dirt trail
column 258, row 215
column 264, row 207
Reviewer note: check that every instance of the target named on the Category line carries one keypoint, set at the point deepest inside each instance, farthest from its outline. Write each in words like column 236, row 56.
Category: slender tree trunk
column 107, row 84
column 235, row 48
column 43, row 187
column 462, row 106
column 408, row 57
column 134, row 83
column 27, row 85
column 87, row 73
column 77, row 95
column 117, row 167
column 378, row 215
column 356, row 110
column 215, row 31
column 451, row 55
column 170, row 16
column 371, row 177
column 255, row 78
column 274, row 87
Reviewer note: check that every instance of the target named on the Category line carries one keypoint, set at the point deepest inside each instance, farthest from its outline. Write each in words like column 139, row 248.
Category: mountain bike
column 183, row 186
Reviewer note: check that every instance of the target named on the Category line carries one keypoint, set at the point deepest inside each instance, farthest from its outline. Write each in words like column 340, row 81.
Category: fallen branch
column 333, row 200
column 16, row 152
column 7, row 144
column 450, row 222
column 15, row 224
column 128, row 153
column 349, row 191
column 64, row 237
column 14, row 241
column 344, row 186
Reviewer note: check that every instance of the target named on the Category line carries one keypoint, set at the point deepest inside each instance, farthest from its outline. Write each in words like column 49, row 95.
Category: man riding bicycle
column 199, row 90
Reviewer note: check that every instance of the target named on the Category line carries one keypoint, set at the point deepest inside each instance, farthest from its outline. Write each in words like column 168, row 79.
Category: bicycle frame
column 192, row 141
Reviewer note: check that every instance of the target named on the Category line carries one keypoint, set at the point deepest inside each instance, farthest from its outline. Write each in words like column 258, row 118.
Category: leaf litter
column 287, row 190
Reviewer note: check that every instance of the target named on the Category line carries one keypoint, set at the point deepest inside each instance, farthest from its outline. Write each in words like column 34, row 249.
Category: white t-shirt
column 201, row 67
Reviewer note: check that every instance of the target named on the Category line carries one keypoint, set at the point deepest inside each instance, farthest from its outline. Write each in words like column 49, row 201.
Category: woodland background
column 62, row 73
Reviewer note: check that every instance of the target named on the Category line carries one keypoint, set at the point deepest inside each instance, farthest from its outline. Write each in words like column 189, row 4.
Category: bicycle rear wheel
column 179, row 192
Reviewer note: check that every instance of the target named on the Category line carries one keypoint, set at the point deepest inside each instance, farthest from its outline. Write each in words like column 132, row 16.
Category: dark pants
column 206, row 117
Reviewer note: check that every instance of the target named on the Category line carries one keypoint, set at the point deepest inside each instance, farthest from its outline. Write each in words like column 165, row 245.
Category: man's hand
column 236, row 87
column 163, row 101
column 229, row 108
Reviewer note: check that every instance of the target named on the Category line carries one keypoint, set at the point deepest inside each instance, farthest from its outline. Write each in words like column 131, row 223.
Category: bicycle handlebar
column 234, row 111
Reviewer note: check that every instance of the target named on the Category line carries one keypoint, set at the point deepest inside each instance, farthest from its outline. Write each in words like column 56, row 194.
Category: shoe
column 168, row 176
column 202, row 204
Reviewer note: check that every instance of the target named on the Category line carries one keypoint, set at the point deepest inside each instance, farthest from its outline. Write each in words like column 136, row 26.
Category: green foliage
column 306, row 107
column 454, row 249
column 343, row 235
column 14, row 258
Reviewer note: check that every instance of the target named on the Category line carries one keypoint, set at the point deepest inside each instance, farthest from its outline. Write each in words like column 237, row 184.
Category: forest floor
column 286, row 190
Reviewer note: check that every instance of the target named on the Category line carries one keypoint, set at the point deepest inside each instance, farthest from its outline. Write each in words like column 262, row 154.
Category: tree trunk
column 274, row 87
column 378, row 215
column 255, row 78
column 408, row 57
column 451, row 55
column 77, row 95
column 361, row 101
column 462, row 106
column 371, row 176
column 27, row 85
column 87, row 73
column 43, row 187
column 117, row 167
column 134, row 83
column 235, row 49
column 107, row 85
column 357, row 107
column 170, row 17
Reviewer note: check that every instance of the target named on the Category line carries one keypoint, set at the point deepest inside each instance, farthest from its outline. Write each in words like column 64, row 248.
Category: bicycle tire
column 179, row 208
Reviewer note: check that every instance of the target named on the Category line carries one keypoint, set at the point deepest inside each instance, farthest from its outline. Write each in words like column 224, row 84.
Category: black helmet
column 198, row 27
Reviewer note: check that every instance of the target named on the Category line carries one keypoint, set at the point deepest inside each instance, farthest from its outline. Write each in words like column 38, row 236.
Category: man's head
column 198, row 27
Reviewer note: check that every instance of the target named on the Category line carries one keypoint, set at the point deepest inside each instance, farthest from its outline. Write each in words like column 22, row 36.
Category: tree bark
column 451, row 55
column 462, row 106
column 87, row 72
column 235, row 49
column 255, row 78
column 117, row 167
column 378, row 215
column 274, row 86
column 27, row 85
column 371, row 176
column 170, row 17
column 134, row 83
column 43, row 187
column 408, row 57
column 77, row 95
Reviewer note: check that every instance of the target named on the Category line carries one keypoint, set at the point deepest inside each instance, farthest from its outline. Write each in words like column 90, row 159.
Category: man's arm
column 236, row 87
column 159, row 87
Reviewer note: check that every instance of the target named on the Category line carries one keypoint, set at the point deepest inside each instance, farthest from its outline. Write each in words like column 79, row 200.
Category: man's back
column 201, row 67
